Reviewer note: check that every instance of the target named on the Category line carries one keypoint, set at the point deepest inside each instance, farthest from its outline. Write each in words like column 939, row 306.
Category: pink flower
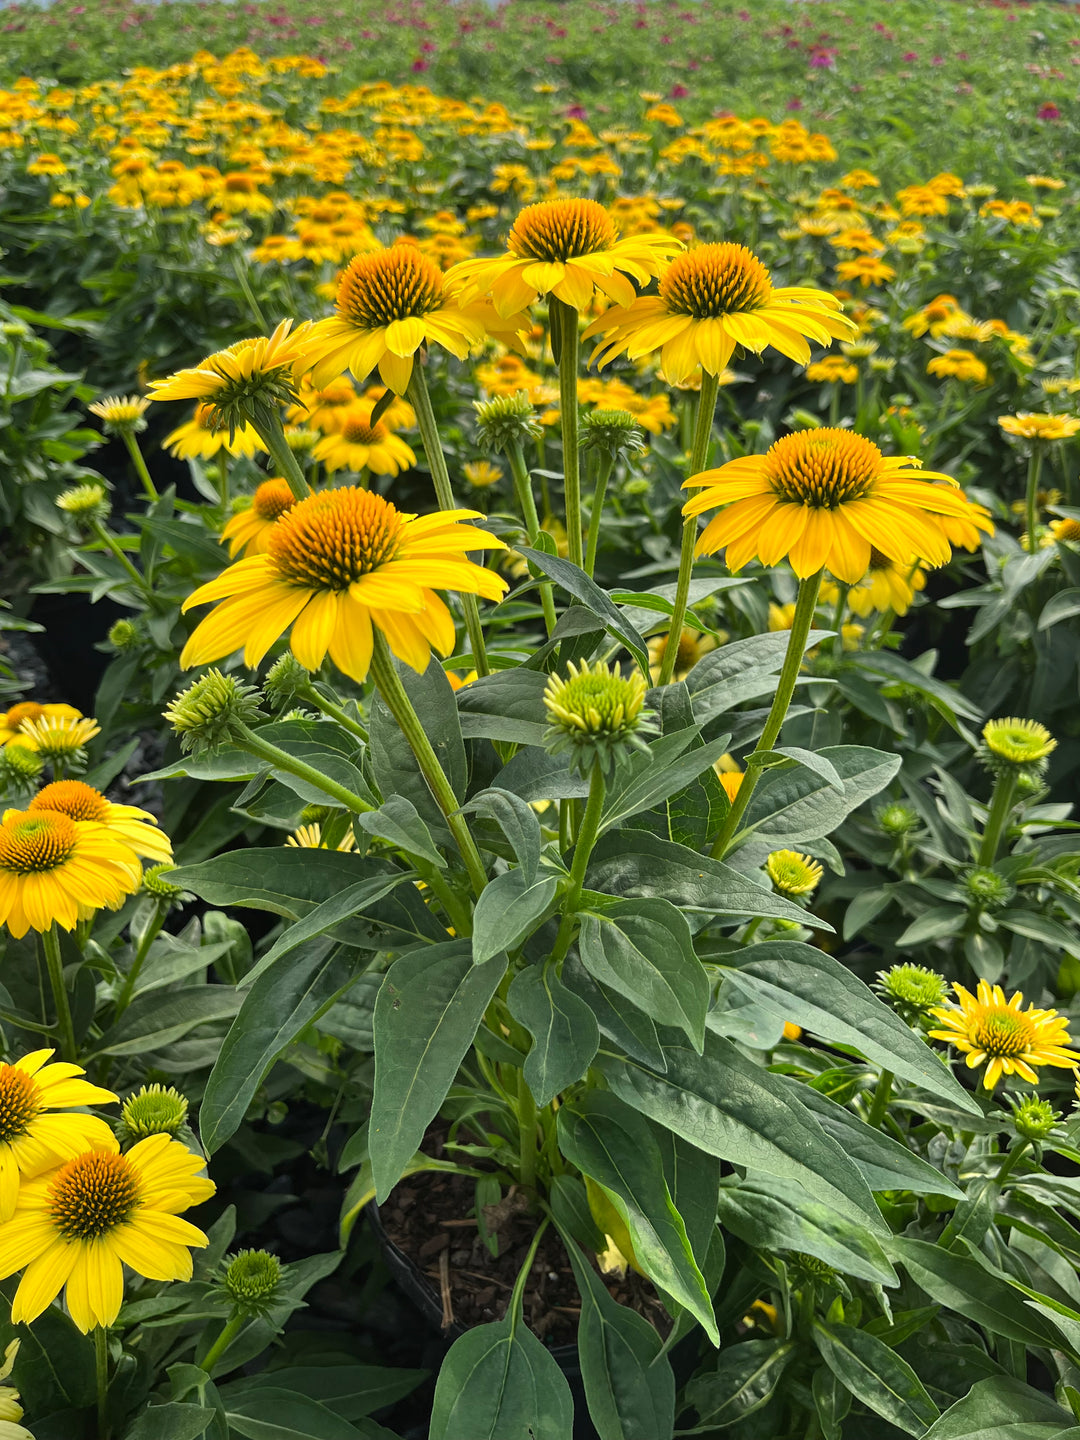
column 910, row 55
column 1049, row 111
column 577, row 112
column 793, row 104
column 679, row 92
column 418, row 66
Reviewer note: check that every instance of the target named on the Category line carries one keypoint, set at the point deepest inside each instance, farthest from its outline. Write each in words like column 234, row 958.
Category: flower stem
column 335, row 712
column 223, row 483
column 264, row 750
column 1034, row 466
column 526, row 1118
column 699, row 458
column 229, row 1332
column 586, row 839
column 246, row 290
column 1008, row 1165
column 401, row 707
column 140, row 464
column 880, row 1102
column 149, row 935
column 523, row 489
column 803, row 619
column 101, row 1369
column 566, row 317
column 272, row 434
column 444, row 495
column 113, row 546
column 1001, row 803
column 605, row 465
column 50, row 943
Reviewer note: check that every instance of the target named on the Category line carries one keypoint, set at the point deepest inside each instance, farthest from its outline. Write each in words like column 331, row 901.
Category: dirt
column 431, row 1219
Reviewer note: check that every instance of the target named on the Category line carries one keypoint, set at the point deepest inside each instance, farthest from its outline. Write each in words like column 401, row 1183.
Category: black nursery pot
column 415, row 1286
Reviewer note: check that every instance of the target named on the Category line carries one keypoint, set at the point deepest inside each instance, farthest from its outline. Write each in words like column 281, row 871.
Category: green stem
column 586, row 839
column 401, row 707
column 523, row 490
column 444, row 496
column 113, row 546
column 526, row 1118
column 838, row 620
column 1034, row 466
column 456, row 910
column 1008, row 1165
column 149, row 935
column 335, row 712
column 605, row 465
column 229, row 1332
column 249, row 295
column 263, row 750
column 793, row 659
column 140, row 464
column 101, row 1370
column 880, row 1102
column 699, row 458
column 566, row 317
column 1001, row 803
column 272, row 434
column 50, row 943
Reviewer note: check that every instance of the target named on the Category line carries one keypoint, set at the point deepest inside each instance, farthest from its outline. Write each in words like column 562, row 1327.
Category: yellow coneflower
column 992, row 1031
column 335, row 564
column 886, row 586
column 263, row 365
column 248, row 531
column 53, row 868
column 135, row 828
column 33, row 1138
column 712, row 299
column 822, row 498
column 120, row 411
column 310, row 837
column 792, row 873
column 567, row 248
column 198, row 439
column 58, row 737
column 481, row 473
column 12, row 720
column 959, row 365
column 692, row 648
column 355, row 443
column 1029, row 426
column 79, row 1225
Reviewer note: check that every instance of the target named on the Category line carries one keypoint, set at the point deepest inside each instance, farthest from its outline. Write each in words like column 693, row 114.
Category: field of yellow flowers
column 539, row 880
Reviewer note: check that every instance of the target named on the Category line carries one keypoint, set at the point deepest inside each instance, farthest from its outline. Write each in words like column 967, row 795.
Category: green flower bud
column 612, row 432
column 212, row 711
column 793, row 874
column 913, row 991
column 252, row 1279
column 896, row 819
column 506, row 421
column 85, row 504
column 988, row 889
column 156, row 882
column 285, row 681
column 123, row 635
column 121, row 414
column 597, row 715
column 1033, row 1118
column 20, row 768
column 804, row 420
column 636, row 485
column 153, row 1110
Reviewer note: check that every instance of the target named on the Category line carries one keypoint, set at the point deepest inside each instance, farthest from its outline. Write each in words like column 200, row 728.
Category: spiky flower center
column 272, row 498
column 715, row 280
column 792, row 873
column 561, row 230
column 154, row 1110
column 252, row 1276
column 914, row 986
column 822, row 468
column 32, row 843
column 18, row 1103
column 395, row 284
column 595, row 701
column 1066, row 530
column 328, row 541
column 92, row 1194
column 1000, row 1030
column 357, row 430
column 1020, row 742
column 73, row 798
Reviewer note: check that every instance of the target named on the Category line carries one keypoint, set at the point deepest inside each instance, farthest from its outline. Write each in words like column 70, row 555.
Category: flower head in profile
column 311, row 837
column 11, row 722
column 121, row 413
column 388, row 305
column 135, row 828
column 827, row 498
column 35, row 1134
column 886, row 586
column 359, row 443
column 79, row 1225
column 1027, row 425
column 963, row 365
column 1014, row 746
column 992, row 1031
column 202, row 437
column 713, row 299
column 59, row 740
column 55, row 870
column 243, row 382
column 693, row 646
column 85, row 504
column 249, row 529
column 567, row 248
column 335, row 564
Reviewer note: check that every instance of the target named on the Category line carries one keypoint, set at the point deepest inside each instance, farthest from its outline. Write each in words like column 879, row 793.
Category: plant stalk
column 801, row 624
column 113, row 546
column 699, row 459
column 566, row 317
column 101, row 1371
column 1001, row 803
column 1034, row 466
column 140, row 464
column 264, row 750
column 605, row 465
column 586, row 839
column 880, row 1102
column 229, row 1332
column 149, row 935
column 523, row 489
column 272, row 434
column 50, row 943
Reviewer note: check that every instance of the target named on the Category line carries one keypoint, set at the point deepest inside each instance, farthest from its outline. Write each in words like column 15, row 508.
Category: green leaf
column 272, row 1414
column 275, row 1011
column 728, row 1106
column 623, row 1024
column 800, row 983
column 508, row 911
column 397, row 821
column 1062, row 606
column 745, row 1379
column 500, row 1383
column 563, row 1028
column 575, row 582
column 285, row 880
column 508, row 705
column 158, row 1018
column 533, row 775
column 740, row 671
column 517, row 820
column 948, row 700
column 1001, row 1408
column 426, row 1015
column 643, row 950
column 774, row 1214
column 612, row 1144
column 170, row 1422
column 351, row 1391
column 1033, row 926
column 797, row 805
column 641, row 866
column 54, row 1368
column 884, row 1162
column 629, row 1384
column 668, row 767
column 395, row 766
column 876, row 1375
column 351, row 901
column 962, row 1284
